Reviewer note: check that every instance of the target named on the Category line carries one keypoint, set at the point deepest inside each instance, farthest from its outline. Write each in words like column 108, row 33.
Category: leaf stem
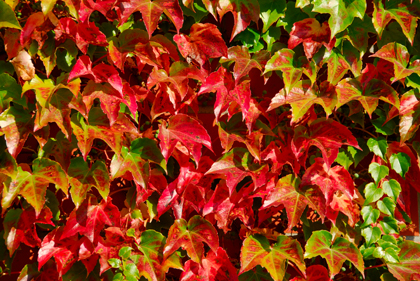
column 118, row 190
column 375, row 266
column 363, row 130
column 100, row 59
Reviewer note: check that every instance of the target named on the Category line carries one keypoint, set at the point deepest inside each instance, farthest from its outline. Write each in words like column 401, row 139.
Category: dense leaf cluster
column 209, row 139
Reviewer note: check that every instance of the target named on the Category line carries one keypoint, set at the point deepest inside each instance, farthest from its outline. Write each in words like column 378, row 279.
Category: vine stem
column 99, row 59
column 363, row 130
column 375, row 266
column 118, row 190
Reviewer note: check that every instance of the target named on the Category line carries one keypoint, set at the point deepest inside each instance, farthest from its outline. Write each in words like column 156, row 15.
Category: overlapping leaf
column 256, row 250
column 190, row 236
column 186, row 130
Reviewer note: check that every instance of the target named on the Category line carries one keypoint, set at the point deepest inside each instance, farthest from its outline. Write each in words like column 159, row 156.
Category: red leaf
column 89, row 220
column 338, row 188
column 31, row 24
column 16, row 125
column 186, row 130
column 312, row 34
column 205, row 41
column 244, row 62
column 400, row 57
column 83, row 34
column 328, row 135
column 243, row 12
column 19, row 227
column 100, row 73
column 11, row 42
column 235, row 165
column 110, row 99
column 191, row 237
column 227, row 207
column 212, row 268
column 63, row 250
column 285, row 193
column 151, row 12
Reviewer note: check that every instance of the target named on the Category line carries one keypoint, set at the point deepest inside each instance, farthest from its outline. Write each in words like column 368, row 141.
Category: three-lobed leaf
column 335, row 252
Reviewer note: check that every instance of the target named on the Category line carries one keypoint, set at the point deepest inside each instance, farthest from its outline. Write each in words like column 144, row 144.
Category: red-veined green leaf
column 341, row 13
column 256, row 250
column 335, row 252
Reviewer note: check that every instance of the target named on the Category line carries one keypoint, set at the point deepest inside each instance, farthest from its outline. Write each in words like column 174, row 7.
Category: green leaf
column 271, row 11
column 369, row 215
column 378, row 146
column 371, row 234
column 387, row 206
column 10, row 91
column 388, row 277
column 125, row 252
column 283, row 60
column 392, row 188
column 389, row 225
column 115, row 263
column 292, row 15
column 82, row 178
column 372, row 193
column 256, row 250
column 256, row 274
column 382, row 126
column 77, row 272
column 378, row 172
column 250, row 38
column 118, row 277
column 321, row 244
column 342, row 12
column 7, row 17
column 357, row 154
column 391, row 256
column 197, row 10
column 344, row 159
column 271, row 36
column 150, row 263
column 400, row 163
column 131, row 272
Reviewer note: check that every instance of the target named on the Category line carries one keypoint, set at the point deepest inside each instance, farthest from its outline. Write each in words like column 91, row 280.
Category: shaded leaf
column 338, row 188
column 8, row 18
column 82, row 178
column 328, row 135
column 312, row 34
